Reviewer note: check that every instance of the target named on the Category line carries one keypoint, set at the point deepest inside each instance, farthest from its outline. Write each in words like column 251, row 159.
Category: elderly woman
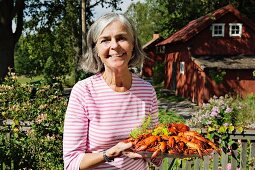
column 104, row 108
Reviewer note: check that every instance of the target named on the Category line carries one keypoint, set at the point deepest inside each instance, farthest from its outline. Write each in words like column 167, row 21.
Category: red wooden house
column 212, row 55
column 152, row 53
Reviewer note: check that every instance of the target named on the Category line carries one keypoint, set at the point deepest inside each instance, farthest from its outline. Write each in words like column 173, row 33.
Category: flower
column 228, row 110
column 215, row 111
column 219, row 111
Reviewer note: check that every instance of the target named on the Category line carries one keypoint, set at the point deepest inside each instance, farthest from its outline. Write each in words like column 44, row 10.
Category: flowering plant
column 219, row 117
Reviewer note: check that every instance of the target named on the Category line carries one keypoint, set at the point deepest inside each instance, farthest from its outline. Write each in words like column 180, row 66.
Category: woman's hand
column 122, row 148
column 132, row 155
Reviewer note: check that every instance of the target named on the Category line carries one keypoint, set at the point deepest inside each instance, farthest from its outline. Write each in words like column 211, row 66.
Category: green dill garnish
column 141, row 129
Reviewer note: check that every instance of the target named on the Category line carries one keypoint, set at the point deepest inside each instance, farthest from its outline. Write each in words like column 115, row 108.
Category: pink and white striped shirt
column 97, row 118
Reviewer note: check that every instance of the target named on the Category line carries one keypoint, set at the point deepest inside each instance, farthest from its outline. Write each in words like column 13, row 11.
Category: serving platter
column 147, row 154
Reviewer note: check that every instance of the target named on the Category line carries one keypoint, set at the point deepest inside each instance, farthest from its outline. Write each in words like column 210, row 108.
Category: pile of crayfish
column 179, row 140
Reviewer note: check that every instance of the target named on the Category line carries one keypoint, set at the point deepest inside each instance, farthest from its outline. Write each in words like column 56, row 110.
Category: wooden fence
column 242, row 156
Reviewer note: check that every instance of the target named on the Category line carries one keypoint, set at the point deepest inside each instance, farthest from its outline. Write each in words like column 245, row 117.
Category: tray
column 147, row 154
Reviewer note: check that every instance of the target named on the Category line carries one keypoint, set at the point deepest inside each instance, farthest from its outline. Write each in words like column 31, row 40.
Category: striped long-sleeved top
column 97, row 118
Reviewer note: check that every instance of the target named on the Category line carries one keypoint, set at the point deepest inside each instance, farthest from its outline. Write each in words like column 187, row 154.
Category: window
column 160, row 49
column 235, row 29
column 182, row 67
column 218, row 30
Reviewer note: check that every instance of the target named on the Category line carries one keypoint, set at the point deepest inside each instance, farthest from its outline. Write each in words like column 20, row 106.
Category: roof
column 197, row 25
column 156, row 39
column 225, row 62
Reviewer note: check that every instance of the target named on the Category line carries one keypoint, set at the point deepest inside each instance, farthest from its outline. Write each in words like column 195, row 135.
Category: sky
column 101, row 11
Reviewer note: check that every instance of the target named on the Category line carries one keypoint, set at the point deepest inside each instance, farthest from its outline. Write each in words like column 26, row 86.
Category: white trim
column 182, row 67
column 218, row 30
column 236, row 33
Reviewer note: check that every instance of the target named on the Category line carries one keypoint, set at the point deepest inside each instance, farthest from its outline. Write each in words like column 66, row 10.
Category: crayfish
column 180, row 141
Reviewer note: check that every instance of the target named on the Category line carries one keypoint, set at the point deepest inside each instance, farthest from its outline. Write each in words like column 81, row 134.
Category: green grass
column 68, row 82
column 24, row 79
column 166, row 117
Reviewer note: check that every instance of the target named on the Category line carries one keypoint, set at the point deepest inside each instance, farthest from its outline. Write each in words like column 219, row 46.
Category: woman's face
column 115, row 46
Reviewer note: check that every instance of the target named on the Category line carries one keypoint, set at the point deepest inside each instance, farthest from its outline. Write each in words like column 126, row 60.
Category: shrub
column 158, row 73
column 224, row 115
column 33, row 117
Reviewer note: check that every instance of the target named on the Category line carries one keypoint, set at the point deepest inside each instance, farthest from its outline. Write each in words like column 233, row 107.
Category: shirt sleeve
column 75, row 130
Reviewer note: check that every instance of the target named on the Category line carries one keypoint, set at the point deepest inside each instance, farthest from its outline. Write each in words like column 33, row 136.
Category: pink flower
column 228, row 110
column 215, row 111
column 228, row 167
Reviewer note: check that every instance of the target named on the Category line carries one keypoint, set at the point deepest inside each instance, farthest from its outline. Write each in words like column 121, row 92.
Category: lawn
column 24, row 79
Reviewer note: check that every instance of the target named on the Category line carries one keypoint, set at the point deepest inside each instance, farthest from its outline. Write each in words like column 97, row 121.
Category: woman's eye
column 103, row 41
column 122, row 38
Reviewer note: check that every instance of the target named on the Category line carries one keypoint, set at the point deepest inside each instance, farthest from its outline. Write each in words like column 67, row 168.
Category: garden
column 32, row 115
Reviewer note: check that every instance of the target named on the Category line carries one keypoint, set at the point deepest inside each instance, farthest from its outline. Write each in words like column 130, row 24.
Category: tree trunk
column 83, row 22
column 8, row 38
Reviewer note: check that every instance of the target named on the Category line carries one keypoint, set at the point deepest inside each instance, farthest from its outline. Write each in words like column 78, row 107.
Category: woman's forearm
column 91, row 160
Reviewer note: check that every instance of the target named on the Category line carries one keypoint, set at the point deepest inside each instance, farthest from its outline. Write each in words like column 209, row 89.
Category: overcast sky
column 101, row 11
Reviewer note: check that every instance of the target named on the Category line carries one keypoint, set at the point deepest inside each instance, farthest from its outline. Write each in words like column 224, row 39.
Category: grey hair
column 90, row 62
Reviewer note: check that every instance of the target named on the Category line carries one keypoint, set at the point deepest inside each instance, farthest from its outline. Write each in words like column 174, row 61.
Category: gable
column 196, row 26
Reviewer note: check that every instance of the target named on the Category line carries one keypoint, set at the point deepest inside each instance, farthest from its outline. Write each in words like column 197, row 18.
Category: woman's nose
column 114, row 44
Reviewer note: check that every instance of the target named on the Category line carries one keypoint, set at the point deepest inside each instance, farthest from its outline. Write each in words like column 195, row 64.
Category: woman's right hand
column 122, row 148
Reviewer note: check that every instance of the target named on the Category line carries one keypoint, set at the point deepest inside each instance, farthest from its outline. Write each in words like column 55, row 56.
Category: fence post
column 252, row 155
column 243, row 154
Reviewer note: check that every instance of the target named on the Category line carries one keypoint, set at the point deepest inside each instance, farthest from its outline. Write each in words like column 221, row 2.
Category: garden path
column 185, row 107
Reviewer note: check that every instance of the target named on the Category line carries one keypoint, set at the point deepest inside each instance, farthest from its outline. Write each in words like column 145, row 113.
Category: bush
column 223, row 116
column 33, row 117
column 158, row 73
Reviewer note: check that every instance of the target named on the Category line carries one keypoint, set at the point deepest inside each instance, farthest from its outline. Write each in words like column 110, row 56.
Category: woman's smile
column 116, row 55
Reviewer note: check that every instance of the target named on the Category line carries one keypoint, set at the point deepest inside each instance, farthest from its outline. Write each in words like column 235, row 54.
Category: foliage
column 160, row 129
column 246, row 113
column 141, row 129
column 158, row 73
column 222, row 116
column 217, row 75
column 141, row 15
column 167, row 17
column 47, row 58
column 33, row 117
column 52, row 38
column 166, row 117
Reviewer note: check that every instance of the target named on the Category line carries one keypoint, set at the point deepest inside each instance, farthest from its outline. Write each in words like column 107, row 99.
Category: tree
column 48, row 15
column 9, row 10
column 42, row 18
column 141, row 15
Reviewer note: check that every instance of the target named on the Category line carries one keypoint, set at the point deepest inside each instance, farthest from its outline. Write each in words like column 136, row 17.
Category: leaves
column 141, row 129
column 39, row 144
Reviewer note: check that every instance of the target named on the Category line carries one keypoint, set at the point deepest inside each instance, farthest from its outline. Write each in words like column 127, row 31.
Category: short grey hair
column 90, row 62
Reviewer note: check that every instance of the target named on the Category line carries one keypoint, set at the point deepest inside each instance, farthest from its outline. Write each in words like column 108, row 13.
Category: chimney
column 155, row 36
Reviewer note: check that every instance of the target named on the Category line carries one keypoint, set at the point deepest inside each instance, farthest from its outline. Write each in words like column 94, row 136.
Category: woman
column 104, row 108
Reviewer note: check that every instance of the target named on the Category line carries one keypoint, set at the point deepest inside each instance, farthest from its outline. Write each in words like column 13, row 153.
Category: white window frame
column 215, row 29
column 182, row 67
column 236, row 34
